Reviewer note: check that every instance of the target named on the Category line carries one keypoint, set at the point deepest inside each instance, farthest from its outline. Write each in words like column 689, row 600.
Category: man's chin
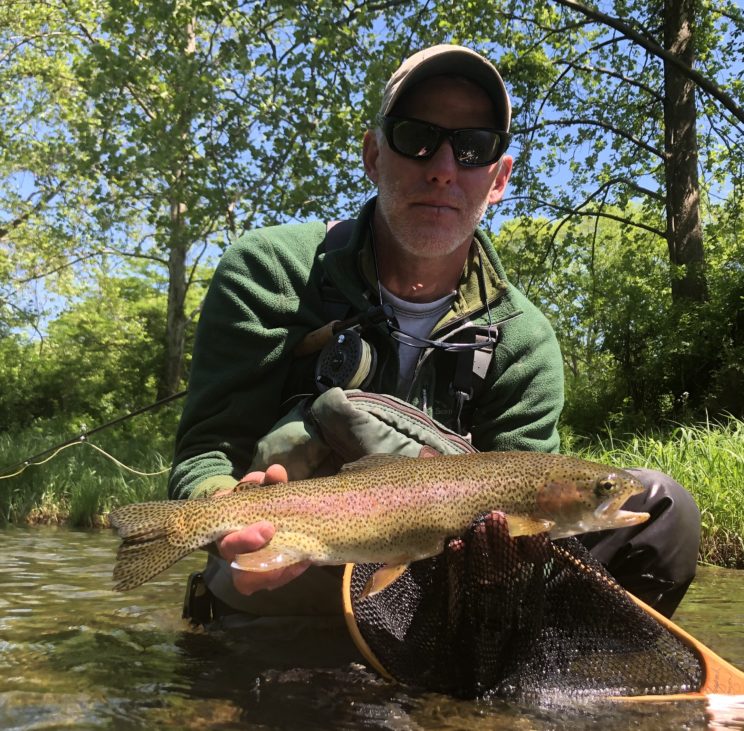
column 431, row 246
column 427, row 234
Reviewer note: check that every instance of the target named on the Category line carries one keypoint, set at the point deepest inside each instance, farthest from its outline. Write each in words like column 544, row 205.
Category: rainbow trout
column 386, row 509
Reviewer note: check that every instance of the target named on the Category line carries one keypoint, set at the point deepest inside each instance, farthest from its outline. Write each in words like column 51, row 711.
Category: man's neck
column 415, row 278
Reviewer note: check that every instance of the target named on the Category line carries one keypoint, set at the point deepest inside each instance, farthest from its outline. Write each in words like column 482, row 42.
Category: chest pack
column 471, row 366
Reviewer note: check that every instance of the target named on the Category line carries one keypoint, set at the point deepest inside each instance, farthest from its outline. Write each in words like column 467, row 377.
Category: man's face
column 432, row 207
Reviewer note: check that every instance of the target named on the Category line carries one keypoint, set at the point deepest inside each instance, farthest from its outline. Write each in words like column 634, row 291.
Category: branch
column 635, row 186
column 16, row 222
column 615, row 74
column 25, row 316
column 66, row 265
column 592, row 213
column 655, row 49
column 125, row 84
column 371, row 8
column 30, row 39
column 586, row 52
column 134, row 255
column 530, row 20
column 195, row 312
column 592, row 123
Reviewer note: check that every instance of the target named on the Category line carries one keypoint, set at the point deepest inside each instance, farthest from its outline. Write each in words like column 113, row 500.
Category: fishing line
column 83, row 439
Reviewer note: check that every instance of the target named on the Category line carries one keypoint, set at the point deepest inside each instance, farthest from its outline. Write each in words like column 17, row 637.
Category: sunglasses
column 419, row 140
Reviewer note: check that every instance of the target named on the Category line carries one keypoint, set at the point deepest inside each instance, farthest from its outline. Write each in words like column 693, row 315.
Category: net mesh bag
column 524, row 618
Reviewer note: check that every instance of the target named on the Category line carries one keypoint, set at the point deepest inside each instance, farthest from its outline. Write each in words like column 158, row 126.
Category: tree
column 627, row 353
column 659, row 75
column 100, row 356
column 178, row 125
column 205, row 117
column 44, row 224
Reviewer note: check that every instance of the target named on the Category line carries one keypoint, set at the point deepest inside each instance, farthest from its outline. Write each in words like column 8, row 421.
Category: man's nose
column 442, row 166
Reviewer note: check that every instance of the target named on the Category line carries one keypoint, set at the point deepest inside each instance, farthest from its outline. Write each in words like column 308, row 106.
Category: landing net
column 524, row 618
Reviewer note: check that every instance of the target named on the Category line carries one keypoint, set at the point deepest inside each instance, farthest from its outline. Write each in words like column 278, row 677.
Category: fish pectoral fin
column 382, row 578
column 521, row 525
column 268, row 558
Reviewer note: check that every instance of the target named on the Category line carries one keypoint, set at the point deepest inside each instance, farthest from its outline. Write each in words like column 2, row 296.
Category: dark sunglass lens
column 476, row 146
column 414, row 139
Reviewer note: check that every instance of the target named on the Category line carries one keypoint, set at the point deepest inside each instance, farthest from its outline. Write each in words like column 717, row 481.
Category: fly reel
column 347, row 361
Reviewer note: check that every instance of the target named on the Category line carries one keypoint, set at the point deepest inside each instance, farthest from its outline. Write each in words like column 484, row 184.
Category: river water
column 75, row 655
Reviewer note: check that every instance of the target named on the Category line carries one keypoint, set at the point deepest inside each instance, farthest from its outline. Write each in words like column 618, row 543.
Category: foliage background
column 138, row 138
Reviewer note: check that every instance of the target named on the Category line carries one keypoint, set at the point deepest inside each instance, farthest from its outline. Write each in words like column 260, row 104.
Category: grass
column 707, row 459
column 80, row 484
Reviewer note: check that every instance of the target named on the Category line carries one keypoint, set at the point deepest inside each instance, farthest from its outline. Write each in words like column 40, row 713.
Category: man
column 438, row 159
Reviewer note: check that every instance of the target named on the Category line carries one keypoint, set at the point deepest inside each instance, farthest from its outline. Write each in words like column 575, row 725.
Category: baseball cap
column 449, row 59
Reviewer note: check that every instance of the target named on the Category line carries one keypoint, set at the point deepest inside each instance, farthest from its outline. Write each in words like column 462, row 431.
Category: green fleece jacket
column 266, row 296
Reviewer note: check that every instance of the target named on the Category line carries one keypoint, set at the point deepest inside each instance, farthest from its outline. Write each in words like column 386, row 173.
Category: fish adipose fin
column 520, row 525
column 382, row 578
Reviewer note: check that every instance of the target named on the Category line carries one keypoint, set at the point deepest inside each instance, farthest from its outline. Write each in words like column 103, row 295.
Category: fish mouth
column 609, row 515
column 624, row 518
column 606, row 517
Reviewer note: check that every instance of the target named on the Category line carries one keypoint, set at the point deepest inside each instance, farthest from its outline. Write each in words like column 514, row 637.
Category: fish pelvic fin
column 267, row 559
column 521, row 525
column 382, row 578
column 286, row 548
column 145, row 550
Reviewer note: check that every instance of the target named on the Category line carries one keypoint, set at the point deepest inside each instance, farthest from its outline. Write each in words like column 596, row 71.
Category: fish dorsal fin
column 374, row 460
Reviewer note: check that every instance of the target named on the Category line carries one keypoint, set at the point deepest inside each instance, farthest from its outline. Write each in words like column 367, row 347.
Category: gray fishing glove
column 320, row 434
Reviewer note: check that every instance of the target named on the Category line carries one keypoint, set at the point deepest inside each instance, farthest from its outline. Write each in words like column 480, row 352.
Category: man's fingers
column 256, row 476
column 254, row 537
column 245, row 540
column 274, row 473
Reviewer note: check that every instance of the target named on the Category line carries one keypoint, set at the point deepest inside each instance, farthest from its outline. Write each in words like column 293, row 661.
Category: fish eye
column 605, row 486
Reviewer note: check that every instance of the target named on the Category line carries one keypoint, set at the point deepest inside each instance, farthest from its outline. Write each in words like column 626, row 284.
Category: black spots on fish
column 137, row 562
column 140, row 520
column 145, row 550
column 180, row 530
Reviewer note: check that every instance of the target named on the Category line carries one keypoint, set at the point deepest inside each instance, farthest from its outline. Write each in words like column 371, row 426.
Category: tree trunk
column 684, row 232
column 178, row 247
column 175, row 329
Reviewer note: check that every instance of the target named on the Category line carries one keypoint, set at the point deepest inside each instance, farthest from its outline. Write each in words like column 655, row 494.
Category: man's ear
column 498, row 188
column 370, row 154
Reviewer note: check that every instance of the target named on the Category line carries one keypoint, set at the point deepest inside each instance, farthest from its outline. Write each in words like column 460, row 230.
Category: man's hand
column 255, row 536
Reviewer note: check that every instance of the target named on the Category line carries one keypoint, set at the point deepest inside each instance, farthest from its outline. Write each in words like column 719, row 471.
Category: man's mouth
column 438, row 206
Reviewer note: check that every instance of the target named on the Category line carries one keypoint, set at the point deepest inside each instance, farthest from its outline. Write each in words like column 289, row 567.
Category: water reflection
column 74, row 654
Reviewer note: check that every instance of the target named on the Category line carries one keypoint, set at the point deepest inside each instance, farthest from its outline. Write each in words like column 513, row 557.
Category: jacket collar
column 351, row 269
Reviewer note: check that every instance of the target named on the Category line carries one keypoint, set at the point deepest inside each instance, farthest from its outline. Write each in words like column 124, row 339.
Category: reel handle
column 316, row 340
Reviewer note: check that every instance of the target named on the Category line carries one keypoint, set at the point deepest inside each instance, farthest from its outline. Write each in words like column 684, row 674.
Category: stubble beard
column 425, row 241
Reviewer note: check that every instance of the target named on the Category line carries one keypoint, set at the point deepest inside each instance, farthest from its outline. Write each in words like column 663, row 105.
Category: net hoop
column 720, row 676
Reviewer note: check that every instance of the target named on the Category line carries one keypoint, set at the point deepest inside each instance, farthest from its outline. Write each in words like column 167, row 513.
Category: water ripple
column 77, row 655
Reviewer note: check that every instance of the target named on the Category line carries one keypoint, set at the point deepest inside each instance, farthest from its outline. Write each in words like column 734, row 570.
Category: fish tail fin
column 145, row 550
